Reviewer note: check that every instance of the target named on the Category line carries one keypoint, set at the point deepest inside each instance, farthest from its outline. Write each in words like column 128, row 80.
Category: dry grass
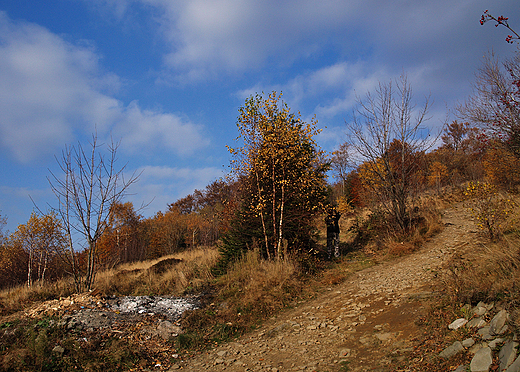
column 191, row 273
column 384, row 240
column 15, row 299
column 185, row 271
column 490, row 273
column 250, row 291
column 260, row 286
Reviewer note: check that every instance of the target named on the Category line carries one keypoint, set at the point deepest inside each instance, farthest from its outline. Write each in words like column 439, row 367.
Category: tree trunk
column 29, row 269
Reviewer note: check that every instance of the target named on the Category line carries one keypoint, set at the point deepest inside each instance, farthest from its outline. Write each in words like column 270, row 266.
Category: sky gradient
column 166, row 78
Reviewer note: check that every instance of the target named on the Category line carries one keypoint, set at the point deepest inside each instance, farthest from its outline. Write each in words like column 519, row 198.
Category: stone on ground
column 451, row 350
column 482, row 360
column 497, row 324
column 458, row 323
column 515, row 367
column 469, row 342
column 507, row 355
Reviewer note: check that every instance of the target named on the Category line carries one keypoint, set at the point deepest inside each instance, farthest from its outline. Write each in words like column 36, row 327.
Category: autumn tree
column 282, row 173
column 89, row 185
column 121, row 241
column 42, row 239
column 164, row 233
column 341, row 164
column 3, row 222
column 206, row 213
column 501, row 167
column 13, row 263
column 459, row 157
column 495, row 104
column 389, row 139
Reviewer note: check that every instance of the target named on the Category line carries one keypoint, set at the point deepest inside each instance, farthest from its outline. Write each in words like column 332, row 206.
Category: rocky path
column 364, row 324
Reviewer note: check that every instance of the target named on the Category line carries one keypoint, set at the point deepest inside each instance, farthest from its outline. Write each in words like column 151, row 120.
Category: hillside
column 383, row 318
column 367, row 323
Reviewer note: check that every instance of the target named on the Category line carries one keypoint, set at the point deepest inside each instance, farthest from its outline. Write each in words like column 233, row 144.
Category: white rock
column 458, row 323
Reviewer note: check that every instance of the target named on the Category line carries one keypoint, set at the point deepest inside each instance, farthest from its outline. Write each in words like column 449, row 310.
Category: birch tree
column 41, row 238
column 282, row 168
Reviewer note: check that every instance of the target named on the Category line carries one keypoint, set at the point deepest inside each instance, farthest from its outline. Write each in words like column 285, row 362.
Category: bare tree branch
column 89, row 186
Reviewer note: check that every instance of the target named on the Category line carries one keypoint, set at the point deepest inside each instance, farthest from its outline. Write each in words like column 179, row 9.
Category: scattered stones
column 484, row 332
column 344, row 353
column 473, row 350
column 476, row 323
column 481, row 309
column 469, row 342
column 166, row 329
column 515, row 367
column 384, row 337
column 494, row 343
column 58, row 350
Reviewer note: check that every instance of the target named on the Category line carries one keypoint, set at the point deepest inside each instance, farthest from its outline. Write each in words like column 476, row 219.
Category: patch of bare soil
column 367, row 323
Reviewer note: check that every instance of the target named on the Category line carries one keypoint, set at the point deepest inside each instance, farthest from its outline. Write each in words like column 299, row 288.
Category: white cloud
column 210, row 37
column 337, row 86
column 52, row 91
column 141, row 127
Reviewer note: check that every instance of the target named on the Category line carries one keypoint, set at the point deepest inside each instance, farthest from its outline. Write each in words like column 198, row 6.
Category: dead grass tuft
column 384, row 239
column 400, row 249
column 15, row 299
column 489, row 273
column 256, row 286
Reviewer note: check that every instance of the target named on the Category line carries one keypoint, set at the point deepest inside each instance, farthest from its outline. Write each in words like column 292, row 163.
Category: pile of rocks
column 171, row 307
column 490, row 338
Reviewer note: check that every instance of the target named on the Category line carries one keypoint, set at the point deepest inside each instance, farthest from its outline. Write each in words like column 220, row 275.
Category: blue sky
column 166, row 77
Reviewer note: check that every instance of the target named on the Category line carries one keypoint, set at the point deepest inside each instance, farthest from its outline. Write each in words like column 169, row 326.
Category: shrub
column 491, row 209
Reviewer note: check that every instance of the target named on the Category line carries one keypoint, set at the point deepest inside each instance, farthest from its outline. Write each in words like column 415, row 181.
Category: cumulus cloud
column 53, row 90
column 140, row 127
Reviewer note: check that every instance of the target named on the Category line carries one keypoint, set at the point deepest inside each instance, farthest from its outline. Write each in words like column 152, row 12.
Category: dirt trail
column 364, row 324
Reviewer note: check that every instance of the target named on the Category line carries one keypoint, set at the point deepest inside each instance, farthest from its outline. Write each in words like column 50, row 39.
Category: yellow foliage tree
column 437, row 174
column 282, row 167
column 41, row 237
column 502, row 167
